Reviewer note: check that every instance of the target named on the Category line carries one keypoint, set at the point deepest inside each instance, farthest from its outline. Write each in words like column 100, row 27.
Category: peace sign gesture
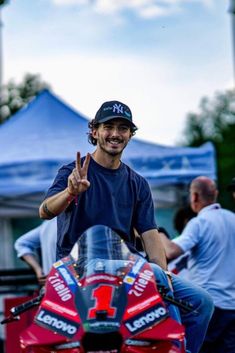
column 77, row 180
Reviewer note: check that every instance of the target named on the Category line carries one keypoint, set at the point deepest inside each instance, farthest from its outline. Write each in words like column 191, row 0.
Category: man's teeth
column 114, row 142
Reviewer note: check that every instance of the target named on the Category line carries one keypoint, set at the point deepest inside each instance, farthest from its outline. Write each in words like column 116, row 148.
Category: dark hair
column 94, row 125
column 181, row 218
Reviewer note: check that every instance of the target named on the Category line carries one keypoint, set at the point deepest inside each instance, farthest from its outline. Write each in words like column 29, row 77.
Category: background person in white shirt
column 210, row 238
column 41, row 239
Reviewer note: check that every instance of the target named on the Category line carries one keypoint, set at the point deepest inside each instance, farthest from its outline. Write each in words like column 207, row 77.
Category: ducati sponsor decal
column 58, row 264
column 141, row 283
column 56, row 323
column 59, row 308
column 129, row 280
column 144, row 304
column 94, row 278
column 103, row 325
column 58, row 284
column 137, row 266
column 146, row 319
column 67, row 276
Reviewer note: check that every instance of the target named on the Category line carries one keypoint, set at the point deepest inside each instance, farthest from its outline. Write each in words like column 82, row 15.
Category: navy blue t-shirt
column 118, row 198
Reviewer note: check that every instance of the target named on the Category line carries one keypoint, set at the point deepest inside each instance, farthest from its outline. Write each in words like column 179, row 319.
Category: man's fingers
column 86, row 164
column 78, row 162
column 85, row 183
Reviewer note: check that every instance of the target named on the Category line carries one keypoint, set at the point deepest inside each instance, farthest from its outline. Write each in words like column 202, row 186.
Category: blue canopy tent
column 45, row 134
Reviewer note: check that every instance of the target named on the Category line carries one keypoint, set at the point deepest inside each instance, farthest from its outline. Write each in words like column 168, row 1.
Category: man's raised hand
column 77, row 180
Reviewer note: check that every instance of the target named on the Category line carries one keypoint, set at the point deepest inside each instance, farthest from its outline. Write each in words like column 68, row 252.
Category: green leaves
column 215, row 122
column 15, row 96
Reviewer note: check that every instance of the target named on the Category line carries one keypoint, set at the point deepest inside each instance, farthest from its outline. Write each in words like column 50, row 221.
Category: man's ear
column 94, row 133
column 196, row 196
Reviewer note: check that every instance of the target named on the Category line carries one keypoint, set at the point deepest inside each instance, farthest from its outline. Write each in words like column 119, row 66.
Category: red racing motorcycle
column 102, row 298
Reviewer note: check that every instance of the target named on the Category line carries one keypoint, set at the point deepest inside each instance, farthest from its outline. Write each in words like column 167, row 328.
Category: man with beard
column 101, row 189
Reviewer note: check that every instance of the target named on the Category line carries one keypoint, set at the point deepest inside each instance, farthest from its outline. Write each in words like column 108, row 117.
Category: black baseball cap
column 113, row 110
column 231, row 186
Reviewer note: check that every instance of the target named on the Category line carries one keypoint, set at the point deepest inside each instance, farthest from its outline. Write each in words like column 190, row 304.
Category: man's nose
column 115, row 131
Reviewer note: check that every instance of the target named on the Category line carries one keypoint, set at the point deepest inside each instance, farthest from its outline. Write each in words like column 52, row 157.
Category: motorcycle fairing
column 133, row 299
column 104, row 302
column 56, row 323
column 57, row 318
column 59, row 289
column 148, row 318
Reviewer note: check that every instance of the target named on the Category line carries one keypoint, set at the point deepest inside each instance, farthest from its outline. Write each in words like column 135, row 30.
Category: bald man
column 210, row 237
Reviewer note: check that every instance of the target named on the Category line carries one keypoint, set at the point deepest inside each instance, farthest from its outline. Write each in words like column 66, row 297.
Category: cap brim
column 107, row 118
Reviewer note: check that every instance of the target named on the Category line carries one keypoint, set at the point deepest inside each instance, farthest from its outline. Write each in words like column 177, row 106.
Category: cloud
column 143, row 8
column 154, row 89
column 70, row 2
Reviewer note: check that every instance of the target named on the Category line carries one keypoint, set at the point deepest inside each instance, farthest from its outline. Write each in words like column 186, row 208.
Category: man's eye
column 123, row 128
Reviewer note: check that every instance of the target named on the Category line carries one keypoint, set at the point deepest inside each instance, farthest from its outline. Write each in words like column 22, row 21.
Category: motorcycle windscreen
column 102, row 260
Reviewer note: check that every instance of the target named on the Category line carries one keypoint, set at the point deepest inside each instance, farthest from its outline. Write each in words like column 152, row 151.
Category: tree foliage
column 15, row 96
column 215, row 122
column 3, row 2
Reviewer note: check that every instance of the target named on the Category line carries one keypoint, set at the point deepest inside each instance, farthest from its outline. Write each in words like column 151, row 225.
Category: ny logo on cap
column 118, row 108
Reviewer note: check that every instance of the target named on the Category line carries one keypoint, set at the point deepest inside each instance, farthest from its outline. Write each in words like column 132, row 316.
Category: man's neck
column 106, row 160
column 204, row 205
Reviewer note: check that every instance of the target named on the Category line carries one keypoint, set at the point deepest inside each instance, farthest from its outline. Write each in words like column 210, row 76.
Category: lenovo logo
column 149, row 318
column 55, row 323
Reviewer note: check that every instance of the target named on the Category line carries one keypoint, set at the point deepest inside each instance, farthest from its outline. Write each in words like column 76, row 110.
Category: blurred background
column 172, row 62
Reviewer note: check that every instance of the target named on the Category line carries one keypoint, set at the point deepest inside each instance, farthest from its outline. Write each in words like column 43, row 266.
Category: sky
column 160, row 57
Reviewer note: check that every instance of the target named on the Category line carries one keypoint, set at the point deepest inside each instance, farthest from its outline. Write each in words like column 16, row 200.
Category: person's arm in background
column 33, row 262
column 26, row 247
column 172, row 250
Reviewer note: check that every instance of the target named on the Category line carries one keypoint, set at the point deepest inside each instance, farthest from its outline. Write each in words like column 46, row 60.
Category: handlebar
column 19, row 309
column 182, row 304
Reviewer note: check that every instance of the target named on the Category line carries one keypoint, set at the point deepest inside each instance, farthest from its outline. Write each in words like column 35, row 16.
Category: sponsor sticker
column 60, row 287
column 143, row 305
column 56, row 323
column 146, row 319
column 94, row 278
column 141, row 283
column 129, row 279
column 66, row 276
column 58, row 264
column 137, row 266
column 102, row 326
column 60, row 309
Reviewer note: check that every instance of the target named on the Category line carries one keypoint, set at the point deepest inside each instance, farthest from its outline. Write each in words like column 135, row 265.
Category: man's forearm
column 54, row 205
column 154, row 248
column 32, row 261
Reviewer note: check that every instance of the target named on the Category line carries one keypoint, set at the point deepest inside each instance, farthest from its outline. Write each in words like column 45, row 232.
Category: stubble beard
column 109, row 152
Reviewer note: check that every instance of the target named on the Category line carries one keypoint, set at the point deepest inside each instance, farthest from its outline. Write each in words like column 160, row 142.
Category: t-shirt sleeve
column 190, row 235
column 144, row 218
column 61, row 180
column 28, row 243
